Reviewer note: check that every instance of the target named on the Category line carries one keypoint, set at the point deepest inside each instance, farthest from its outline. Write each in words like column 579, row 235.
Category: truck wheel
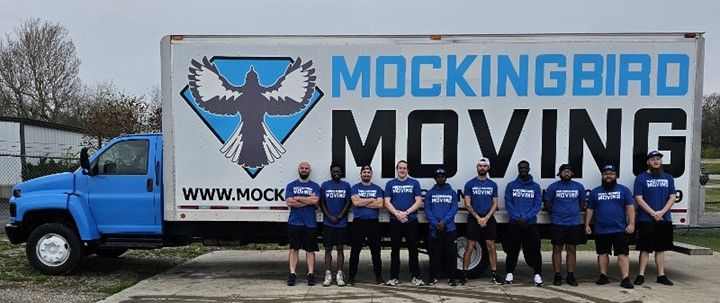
column 478, row 259
column 111, row 252
column 53, row 249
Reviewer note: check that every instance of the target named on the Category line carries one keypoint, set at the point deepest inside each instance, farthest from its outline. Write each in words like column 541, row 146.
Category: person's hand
column 401, row 216
column 630, row 228
column 657, row 216
column 440, row 226
column 521, row 222
column 482, row 222
column 333, row 219
column 588, row 230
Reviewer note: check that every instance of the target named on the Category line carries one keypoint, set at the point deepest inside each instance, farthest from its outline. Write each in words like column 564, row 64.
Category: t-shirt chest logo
column 657, row 183
column 335, row 193
column 566, row 193
column 441, row 199
column 608, row 196
column 302, row 191
column 402, row 189
column 482, row 191
column 523, row 193
column 364, row 193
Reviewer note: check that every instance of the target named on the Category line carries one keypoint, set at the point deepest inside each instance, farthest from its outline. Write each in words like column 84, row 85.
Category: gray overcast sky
column 119, row 41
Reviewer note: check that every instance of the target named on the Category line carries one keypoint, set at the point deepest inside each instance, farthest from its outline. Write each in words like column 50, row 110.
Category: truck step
column 690, row 249
column 133, row 243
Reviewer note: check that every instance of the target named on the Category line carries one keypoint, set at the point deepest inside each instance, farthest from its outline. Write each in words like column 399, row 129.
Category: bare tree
column 39, row 73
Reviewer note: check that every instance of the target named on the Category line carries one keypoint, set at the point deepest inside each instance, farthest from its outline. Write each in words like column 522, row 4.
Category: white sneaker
column 538, row 280
column 392, row 282
column 339, row 278
column 433, row 282
column 328, row 278
column 418, row 282
column 509, row 278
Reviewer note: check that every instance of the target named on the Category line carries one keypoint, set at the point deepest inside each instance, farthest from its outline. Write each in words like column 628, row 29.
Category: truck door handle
column 150, row 185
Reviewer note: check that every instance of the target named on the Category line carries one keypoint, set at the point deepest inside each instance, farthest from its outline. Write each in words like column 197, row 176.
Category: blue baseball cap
column 439, row 172
column 653, row 154
column 607, row 167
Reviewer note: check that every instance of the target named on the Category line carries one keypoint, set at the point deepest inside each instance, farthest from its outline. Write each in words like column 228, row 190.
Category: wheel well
column 33, row 219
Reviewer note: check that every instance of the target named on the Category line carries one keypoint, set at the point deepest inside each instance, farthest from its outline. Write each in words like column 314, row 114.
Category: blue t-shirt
column 371, row 191
column 565, row 199
column 523, row 200
column 402, row 195
column 302, row 216
column 336, row 195
column 481, row 193
column 655, row 190
column 609, row 208
column 441, row 205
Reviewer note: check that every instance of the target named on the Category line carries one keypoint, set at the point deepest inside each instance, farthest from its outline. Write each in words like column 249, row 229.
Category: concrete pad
column 244, row 276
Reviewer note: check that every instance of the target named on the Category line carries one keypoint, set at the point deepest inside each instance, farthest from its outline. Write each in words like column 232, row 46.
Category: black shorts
column 654, row 236
column 566, row 234
column 333, row 236
column 302, row 238
column 618, row 242
column 474, row 232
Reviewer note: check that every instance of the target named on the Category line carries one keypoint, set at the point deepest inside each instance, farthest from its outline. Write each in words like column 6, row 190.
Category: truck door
column 123, row 195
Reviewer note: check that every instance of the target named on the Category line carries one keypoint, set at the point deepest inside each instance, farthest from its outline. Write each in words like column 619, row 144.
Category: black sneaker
column 311, row 280
column 495, row 279
column 602, row 280
column 292, row 278
column 639, row 280
column 451, row 282
column 350, row 281
column 379, row 280
column 664, row 280
column 570, row 280
column 557, row 280
column 625, row 283
column 463, row 277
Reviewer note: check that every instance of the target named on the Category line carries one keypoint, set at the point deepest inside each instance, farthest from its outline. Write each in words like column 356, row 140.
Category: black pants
column 528, row 237
column 443, row 253
column 365, row 230
column 408, row 230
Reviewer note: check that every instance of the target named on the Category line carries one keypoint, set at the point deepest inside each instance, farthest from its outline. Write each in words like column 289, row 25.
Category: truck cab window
column 124, row 158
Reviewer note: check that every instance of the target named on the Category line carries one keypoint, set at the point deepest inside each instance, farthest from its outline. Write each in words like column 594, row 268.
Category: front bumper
column 14, row 233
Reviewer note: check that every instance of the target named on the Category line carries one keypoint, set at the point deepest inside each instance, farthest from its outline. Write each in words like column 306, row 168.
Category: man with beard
column 612, row 209
column 367, row 199
column 481, row 201
column 334, row 203
column 402, row 200
column 441, row 205
column 564, row 199
column 654, row 195
column 301, row 196
column 523, row 201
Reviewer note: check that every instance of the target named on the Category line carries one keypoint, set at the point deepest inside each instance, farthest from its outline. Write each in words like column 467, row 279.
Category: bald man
column 302, row 195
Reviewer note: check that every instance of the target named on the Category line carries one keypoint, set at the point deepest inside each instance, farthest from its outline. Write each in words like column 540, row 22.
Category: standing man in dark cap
column 654, row 195
column 611, row 208
column 564, row 199
column 367, row 199
column 441, row 205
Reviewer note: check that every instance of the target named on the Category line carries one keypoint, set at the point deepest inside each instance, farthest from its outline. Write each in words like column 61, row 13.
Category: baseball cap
column 607, row 167
column 484, row 160
column 654, row 153
column 439, row 172
column 366, row 167
column 563, row 167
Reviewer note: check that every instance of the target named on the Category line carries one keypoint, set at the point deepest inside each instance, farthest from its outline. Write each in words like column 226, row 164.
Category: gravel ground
column 94, row 279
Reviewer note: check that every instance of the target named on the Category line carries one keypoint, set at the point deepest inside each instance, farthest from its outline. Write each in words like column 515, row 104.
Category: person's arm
column 670, row 201
column 388, row 205
column 548, row 198
column 582, row 196
column 347, row 205
column 323, row 206
column 429, row 211
column 359, row 202
column 509, row 205
column 491, row 212
column 588, row 217
column 537, row 204
column 644, row 206
column 377, row 202
column 450, row 215
column 290, row 200
column 418, row 199
column 467, row 201
column 630, row 212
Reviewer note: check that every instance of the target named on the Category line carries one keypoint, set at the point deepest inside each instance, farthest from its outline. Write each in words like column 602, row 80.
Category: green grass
column 710, row 153
column 705, row 238
column 712, row 168
column 712, row 199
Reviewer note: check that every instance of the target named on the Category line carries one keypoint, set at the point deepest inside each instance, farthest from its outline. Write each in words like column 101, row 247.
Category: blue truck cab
column 111, row 203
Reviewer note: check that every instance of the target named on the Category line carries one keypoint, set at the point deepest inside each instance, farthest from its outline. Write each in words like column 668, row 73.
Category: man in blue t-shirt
column 301, row 196
column 335, row 204
column 402, row 200
column 441, row 206
column 564, row 199
column 481, row 201
column 523, row 201
column 611, row 208
column 654, row 195
column 367, row 199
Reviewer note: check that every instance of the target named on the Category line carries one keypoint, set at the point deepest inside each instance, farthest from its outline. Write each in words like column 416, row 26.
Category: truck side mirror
column 85, row 161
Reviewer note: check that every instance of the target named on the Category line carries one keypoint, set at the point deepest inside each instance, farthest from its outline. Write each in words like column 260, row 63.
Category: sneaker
column 602, row 280
column 379, row 280
column 538, row 280
column 639, row 280
column 417, row 281
column 292, row 278
column 495, row 279
column 463, row 277
column 451, row 282
column 392, row 282
column 328, row 278
column 509, row 278
column 570, row 280
column 339, row 279
column 432, row 281
column 664, row 280
column 311, row 279
column 625, row 283
column 351, row 282
column 557, row 280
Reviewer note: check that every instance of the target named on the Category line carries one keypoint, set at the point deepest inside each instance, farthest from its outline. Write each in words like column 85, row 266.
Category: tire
column 111, row 252
column 53, row 249
column 479, row 261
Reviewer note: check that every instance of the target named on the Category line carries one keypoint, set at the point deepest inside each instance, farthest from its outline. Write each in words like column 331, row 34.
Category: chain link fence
column 18, row 168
